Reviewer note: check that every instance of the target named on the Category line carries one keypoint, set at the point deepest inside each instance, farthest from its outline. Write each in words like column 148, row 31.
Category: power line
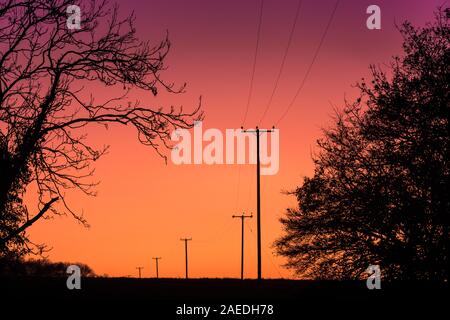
column 311, row 64
column 139, row 268
column 257, row 131
column 297, row 13
column 254, row 62
column 156, row 260
column 186, row 253
column 242, row 217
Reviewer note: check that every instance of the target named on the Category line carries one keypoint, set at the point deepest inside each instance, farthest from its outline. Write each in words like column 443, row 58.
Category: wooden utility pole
column 186, row 252
column 139, row 268
column 156, row 260
column 243, row 216
column 258, row 192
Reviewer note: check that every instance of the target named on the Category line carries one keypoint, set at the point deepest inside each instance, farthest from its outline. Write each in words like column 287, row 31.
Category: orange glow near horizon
column 145, row 206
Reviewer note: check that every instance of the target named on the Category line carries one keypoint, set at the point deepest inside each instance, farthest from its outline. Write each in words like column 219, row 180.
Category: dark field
column 162, row 297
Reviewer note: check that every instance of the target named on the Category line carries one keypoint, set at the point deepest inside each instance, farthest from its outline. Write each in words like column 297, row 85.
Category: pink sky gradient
column 144, row 206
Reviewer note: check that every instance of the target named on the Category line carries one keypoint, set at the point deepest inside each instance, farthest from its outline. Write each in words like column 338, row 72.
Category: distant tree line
column 40, row 268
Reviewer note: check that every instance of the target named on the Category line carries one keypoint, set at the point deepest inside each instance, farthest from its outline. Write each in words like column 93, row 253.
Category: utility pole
column 156, row 260
column 258, row 193
column 139, row 268
column 243, row 216
column 186, row 252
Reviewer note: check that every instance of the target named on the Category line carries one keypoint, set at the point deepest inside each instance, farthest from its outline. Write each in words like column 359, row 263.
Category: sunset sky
column 145, row 206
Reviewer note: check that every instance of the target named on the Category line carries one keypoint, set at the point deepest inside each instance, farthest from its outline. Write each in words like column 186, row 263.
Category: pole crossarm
column 242, row 216
column 257, row 130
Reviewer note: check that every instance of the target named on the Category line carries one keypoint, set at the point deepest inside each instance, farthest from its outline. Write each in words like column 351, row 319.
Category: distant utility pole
column 243, row 216
column 186, row 252
column 258, row 193
column 139, row 268
column 156, row 260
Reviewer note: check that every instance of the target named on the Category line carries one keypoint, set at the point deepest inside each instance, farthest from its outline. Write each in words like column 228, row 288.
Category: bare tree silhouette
column 380, row 191
column 44, row 109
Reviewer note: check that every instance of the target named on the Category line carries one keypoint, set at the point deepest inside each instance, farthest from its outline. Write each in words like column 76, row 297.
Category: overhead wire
column 308, row 71
column 283, row 61
column 252, row 77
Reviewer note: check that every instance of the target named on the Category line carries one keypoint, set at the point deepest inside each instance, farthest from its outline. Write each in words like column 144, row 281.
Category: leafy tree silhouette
column 44, row 110
column 380, row 191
